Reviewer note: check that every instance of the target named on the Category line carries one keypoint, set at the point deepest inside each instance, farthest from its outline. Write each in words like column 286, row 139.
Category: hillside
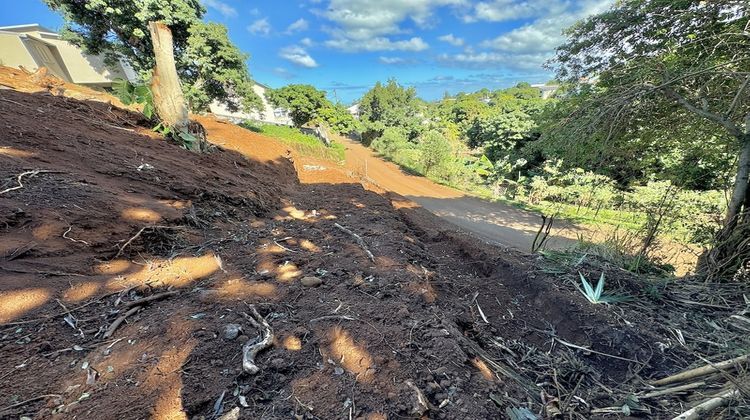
column 377, row 308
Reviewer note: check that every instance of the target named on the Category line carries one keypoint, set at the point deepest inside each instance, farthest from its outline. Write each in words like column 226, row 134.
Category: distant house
column 547, row 90
column 269, row 114
column 34, row 46
column 354, row 110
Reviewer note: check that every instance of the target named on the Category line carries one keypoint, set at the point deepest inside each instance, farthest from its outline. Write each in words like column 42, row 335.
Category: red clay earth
column 402, row 336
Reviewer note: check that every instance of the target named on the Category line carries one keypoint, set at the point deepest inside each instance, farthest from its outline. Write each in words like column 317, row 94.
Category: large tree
column 653, row 59
column 391, row 106
column 210, row 67
column 303, row 102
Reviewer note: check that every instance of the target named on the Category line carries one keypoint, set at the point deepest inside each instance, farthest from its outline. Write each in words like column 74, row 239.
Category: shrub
column 436, row 151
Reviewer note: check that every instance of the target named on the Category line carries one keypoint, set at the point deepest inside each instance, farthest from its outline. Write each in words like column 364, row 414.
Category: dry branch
column 253, row 346
column 701, row 371
column 148, row 299
column 120, row 320
column 700, row 410
column 674, row 389
column 20, row 177
column 134, row 237
column 359, row 240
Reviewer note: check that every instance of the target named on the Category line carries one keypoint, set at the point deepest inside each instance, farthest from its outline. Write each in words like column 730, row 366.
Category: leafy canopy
column 304, row 102
column 208, row 64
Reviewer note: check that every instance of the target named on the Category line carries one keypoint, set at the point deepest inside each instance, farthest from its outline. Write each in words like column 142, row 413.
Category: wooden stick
column 595, row 352
column 22, row 403
column 674, row 389
column 701, row 371
column 359, row 240
column 252, row 347
column 151, row 298
column 120, row 320
column 700, row 410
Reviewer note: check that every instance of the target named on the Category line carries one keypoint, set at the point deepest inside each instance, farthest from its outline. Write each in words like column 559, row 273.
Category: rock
column 277, row 363
column 231, row 331
column 338, row 371
column 311, row 281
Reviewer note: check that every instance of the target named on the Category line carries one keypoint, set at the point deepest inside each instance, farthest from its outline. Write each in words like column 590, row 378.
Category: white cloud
column 391, row 60
column 359, row 23
column 298, row 25
column 307, row 42
column 532, row 44
column 260, row 27
column 298, row 55
column 504, row 10
column 377, row 44
column 449, row 38
column 221, row 7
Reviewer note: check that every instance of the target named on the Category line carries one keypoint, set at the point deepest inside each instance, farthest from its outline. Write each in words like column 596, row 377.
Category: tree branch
column 718, row 119
column 737, row 97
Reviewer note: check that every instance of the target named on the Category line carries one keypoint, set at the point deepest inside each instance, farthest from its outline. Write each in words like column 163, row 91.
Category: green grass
column 303, row 144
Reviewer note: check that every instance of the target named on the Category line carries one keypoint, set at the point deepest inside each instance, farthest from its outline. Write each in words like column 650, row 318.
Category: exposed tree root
column 255, row 345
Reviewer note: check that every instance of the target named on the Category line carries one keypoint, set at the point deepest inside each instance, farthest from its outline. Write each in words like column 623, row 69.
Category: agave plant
column 595, row 295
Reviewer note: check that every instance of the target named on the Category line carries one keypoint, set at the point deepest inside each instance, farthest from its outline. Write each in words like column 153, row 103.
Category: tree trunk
column 739, row 193
column 169, row 101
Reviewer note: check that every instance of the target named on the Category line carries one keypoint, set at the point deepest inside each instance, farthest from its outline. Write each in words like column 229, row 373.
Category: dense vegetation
column 652, row 137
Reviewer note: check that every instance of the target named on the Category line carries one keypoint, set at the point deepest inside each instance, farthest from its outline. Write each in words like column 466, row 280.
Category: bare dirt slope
column 96, row 214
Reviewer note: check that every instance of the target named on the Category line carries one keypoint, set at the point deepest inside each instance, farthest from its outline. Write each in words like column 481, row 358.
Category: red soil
column 240, row 228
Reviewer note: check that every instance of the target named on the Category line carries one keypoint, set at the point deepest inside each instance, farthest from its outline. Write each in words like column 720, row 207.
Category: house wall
column 85, row 69
column 268, row 114
column 13, row 52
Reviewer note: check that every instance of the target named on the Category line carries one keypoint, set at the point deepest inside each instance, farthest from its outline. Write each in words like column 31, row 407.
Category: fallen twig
column 565, row 343
column 700, row 410
column 701, row 371
column 253, row 346
column 30, row 400
column 120, row 320
column 125, row 245
column 65, row 235
column 323, row 318
column 20, row 177
column 151, row 298
column 359, row 240
column 49, row 273
column 674, row 389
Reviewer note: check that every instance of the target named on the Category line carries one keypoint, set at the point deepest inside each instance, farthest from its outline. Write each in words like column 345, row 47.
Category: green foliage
column 436, row 151
column 338, row 118
column 209, row 65
column 129, row 94
column 304, row 144
column 594, row 295
column 218, row 70
column 501, row 132
column 304, row 102
column 391, row 105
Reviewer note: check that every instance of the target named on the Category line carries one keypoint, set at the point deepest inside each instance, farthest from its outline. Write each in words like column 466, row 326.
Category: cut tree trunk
column 169, row 101
column 740, row 191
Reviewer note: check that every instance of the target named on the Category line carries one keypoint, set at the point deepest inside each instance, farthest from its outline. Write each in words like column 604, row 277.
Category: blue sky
column 345, row 46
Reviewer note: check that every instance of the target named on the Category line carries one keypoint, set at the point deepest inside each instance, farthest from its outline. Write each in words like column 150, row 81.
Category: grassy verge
column 303, row 144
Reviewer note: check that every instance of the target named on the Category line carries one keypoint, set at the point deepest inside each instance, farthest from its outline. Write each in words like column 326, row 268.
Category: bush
column 436, row 151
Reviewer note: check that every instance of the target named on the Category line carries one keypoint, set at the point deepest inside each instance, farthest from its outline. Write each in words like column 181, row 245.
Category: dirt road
column 495, row 222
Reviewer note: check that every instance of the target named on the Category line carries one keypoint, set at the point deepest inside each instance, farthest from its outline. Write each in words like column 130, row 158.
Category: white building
column 269, row 114
column 33, row 46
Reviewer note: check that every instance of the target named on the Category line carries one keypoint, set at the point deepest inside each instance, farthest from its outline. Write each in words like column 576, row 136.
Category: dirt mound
column 435, row 325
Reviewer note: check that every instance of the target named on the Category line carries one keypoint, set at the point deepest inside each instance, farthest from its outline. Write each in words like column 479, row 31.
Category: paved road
column 495, row 222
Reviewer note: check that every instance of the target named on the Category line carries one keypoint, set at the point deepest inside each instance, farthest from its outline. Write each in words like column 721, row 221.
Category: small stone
column 277, row 363
column 338, row 370
column 311, row 281
column 232, row 331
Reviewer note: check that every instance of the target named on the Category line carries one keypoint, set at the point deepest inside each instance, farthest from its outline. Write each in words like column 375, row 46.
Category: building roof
column 31, row 27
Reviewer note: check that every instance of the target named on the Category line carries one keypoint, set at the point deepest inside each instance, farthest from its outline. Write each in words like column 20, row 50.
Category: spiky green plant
column 595, row 295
